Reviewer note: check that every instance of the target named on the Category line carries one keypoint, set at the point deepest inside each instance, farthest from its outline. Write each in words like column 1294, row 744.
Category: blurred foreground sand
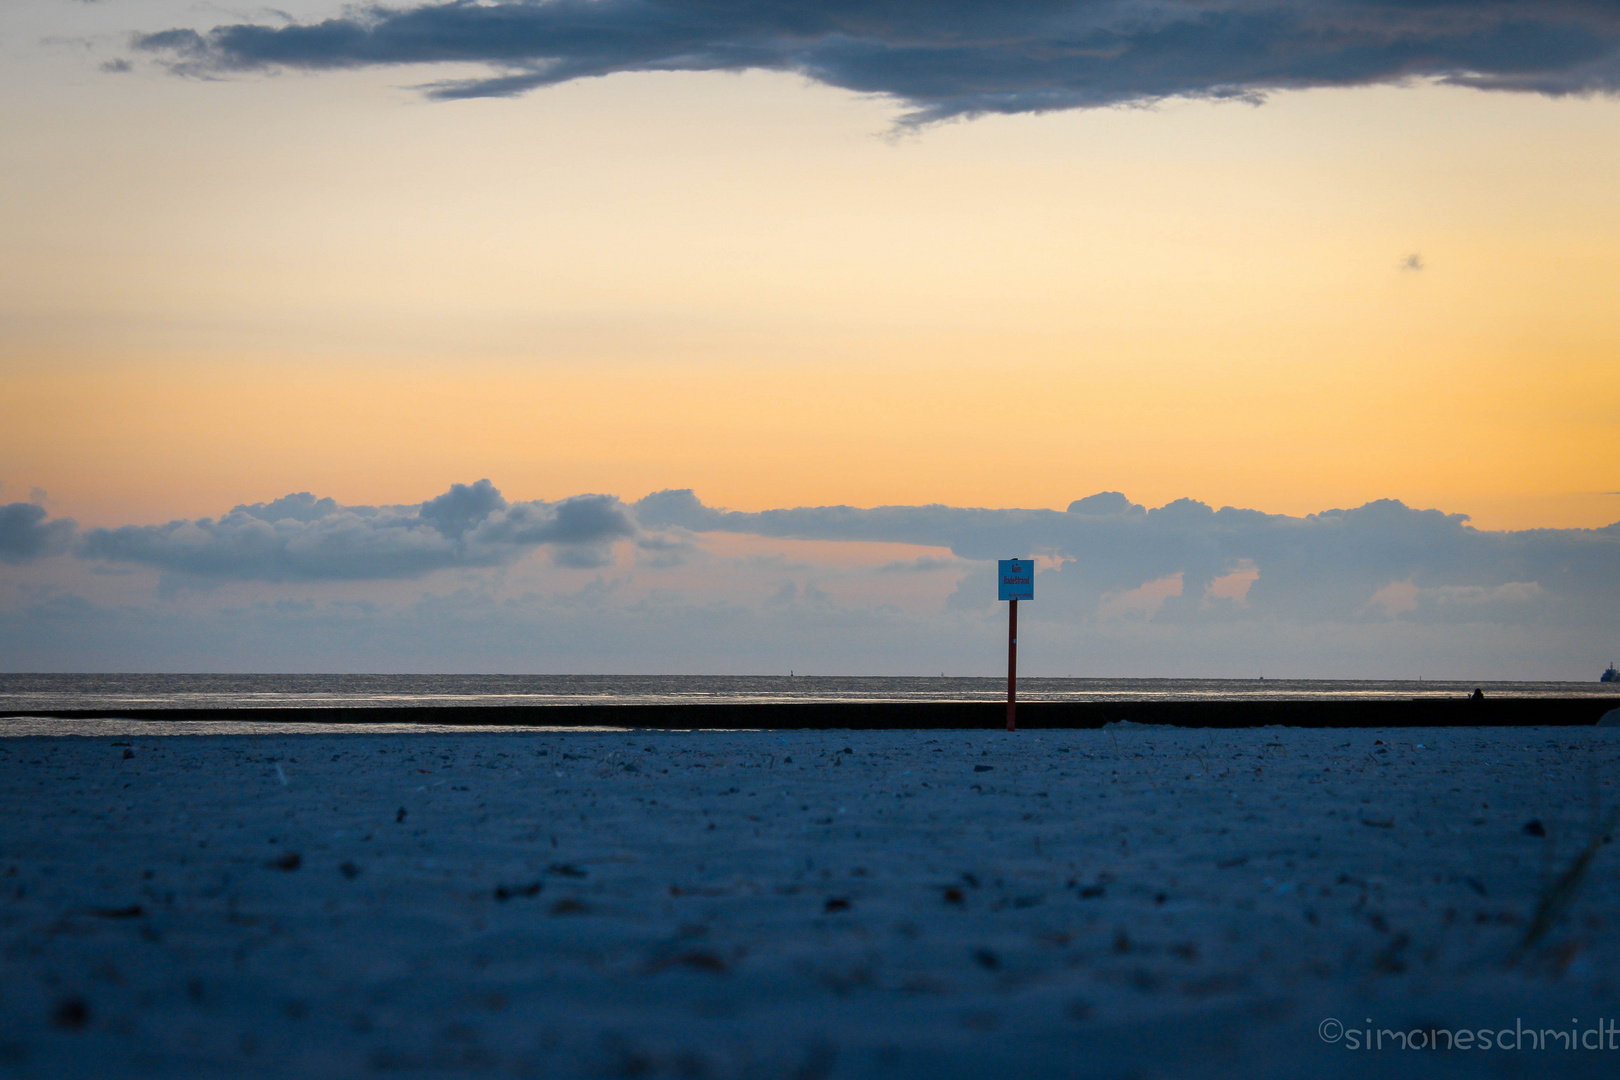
column 1132, row 901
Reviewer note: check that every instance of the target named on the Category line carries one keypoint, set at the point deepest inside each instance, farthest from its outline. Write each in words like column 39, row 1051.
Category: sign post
column 1012, row 664
column 1015, row 581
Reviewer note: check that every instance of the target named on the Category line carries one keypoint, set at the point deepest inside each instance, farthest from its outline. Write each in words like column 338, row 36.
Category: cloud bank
column 669, row 584
column 1104, row 557
column 1230, row 563
column 957, row 57
column 301, row 538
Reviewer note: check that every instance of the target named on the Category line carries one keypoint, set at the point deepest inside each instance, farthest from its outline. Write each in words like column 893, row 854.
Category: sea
column 34, row 693
column 27, row 701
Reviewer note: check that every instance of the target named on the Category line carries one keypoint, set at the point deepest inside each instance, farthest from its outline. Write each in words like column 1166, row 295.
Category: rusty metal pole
column 1012, row 666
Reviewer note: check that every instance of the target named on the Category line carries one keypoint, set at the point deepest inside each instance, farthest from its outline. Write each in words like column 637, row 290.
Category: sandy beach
column 1134, row 901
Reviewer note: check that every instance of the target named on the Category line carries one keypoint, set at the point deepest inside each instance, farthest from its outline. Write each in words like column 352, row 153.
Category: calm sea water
column 32, row 693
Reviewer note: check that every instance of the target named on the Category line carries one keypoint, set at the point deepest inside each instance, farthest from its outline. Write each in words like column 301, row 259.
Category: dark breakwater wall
column 870, row 715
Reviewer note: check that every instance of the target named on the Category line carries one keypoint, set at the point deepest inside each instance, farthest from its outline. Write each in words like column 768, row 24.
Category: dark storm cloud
column 301, row 538
column 25, row 533
column 956, row 58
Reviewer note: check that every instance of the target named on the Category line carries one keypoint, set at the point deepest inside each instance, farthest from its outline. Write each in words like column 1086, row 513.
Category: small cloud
column 1234, row 585
column 301, row 507
column 117, row 67
column 1394, row 599
column 923, row 564
column 25, row 534
column 664, row 550
column 1511, row 592
column 592, row 556
column 1413, row 261
column 1105, row 502
column 1144, row 601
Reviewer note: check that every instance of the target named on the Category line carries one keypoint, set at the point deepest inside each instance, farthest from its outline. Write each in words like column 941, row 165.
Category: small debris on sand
column 71, row 1013
column 696, row 960
column 504, row 893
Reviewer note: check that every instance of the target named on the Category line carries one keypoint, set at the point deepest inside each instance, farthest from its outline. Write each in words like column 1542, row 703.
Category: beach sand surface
column 1134, row 901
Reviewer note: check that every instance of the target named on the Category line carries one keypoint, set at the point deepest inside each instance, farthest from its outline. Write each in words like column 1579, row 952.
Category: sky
column 1347, row 268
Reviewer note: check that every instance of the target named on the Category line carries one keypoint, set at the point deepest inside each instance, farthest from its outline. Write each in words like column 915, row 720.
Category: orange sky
column 220, row 294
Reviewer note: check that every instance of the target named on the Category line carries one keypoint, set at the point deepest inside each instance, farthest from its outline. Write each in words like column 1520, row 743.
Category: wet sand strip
column 912, row 715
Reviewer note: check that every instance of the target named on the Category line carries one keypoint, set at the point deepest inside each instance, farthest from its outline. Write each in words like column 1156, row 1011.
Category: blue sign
column 1015, row 579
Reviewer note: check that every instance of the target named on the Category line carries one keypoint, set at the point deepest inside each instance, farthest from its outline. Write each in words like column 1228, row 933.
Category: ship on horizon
column 1612, row 675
